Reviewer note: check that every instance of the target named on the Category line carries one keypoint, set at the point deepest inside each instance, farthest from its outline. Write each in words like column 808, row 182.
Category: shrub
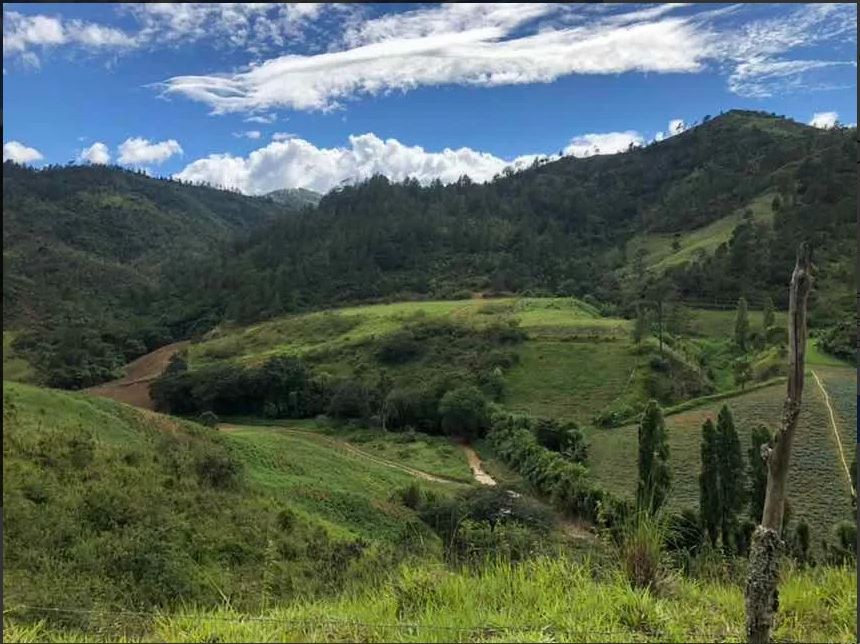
column 641, row 551
column 350, row 400
column 398, row 348
column 218, row 470
column 464, row 411
column 208, row 418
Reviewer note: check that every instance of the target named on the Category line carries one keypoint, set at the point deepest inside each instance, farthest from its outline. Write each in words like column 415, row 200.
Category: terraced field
column 818, row 490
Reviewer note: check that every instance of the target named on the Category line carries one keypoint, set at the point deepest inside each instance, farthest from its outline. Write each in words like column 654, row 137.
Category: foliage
column 759, row 437
column 732, row 476
column 710, row 502
column 653, row 463
column 464, row 412
column 742, row 325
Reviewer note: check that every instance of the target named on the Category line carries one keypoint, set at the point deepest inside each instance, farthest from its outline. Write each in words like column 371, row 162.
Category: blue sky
column 265, row 96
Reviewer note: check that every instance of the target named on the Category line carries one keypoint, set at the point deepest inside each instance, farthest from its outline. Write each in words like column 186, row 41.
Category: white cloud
column 265, row 119
column 283, row 136
column 588, row 145
column 435, row 54
column 96, row 154
column 256, row 26
column 757, row 49
column 296, row 163
column 676, row 126
column 824, row 120
column 519, row 43
column 292, row 162
column 20, row 153
column 247, row 134
column 137, row 151
column 21, row 33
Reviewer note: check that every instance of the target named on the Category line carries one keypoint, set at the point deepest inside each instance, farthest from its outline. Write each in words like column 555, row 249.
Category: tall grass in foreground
column 542, row 600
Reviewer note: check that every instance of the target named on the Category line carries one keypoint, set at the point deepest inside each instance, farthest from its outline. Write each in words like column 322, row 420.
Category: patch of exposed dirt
column 133, row 387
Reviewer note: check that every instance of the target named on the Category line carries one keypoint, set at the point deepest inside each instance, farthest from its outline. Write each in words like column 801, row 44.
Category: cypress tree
column 654, row 475
column 742, row 325
column 767, row 314
column 710, row 508
column 757, row 471
column 731, row 474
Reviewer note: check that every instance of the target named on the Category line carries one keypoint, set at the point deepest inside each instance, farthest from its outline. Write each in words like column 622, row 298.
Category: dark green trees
column 709, row 483
column 464, row 412
column 654, row 474
column 742, row 325
column 768, row 317
column 732, row 475
column 722, row 481
column 757, row 471
column 640, row 325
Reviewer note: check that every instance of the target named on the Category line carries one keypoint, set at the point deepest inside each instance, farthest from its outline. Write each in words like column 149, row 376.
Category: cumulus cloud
column 291, row 162
column 20, row 153
column 824, row 120
column 296, row 163
column 96, row 154
column 676, row 126
column 607, row 143
column 137, row 151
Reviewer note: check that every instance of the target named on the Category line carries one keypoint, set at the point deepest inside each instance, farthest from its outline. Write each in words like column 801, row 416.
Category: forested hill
column 86, row 250
column 101, row 264
column 719, row 207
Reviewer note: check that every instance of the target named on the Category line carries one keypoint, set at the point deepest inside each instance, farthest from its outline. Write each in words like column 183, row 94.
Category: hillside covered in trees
column 722, row 206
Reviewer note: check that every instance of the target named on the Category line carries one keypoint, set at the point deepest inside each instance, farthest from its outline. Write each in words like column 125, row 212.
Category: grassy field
column 721, row 324
column 658, row 246
column 544, row 600
column 818, row 490
column 432, row 454
column 341, row 328
column 14, row 367
column 350, row 494
column 571, row 380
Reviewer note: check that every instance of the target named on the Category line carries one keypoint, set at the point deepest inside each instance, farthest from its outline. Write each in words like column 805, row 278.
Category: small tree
column 759, row 437
column 654, row 474
column 640, row 325
column 742, row 325
column 768, row 317
column 464, row 411
column 710, row 508
column 742, row 371
column 731, row 473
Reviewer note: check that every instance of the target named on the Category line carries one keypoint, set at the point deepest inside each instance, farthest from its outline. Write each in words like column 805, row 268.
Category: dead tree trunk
column 761, row 589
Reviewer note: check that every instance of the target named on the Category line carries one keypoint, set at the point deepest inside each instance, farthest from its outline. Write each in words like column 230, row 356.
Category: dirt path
column 475, row 464
column 835, row 430
column 347, row 447
column 133, row 387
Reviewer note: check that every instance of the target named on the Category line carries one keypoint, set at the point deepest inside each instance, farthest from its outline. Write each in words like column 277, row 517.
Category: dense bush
column 552, row 474
column 464, row 412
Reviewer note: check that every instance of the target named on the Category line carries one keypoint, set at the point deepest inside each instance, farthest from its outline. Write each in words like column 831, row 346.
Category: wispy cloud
column 508, row 44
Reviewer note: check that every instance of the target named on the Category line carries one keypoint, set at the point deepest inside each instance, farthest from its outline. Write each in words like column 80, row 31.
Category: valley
column 417, row 412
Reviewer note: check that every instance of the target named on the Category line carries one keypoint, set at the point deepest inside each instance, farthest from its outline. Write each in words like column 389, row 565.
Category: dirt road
column 475, row 464
column 352, row 449
column 133, row 387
